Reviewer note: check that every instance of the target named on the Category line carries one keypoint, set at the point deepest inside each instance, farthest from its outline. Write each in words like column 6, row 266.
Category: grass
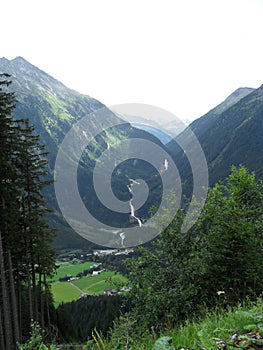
column 67, row 268
column 97, row 284
column 203, row 334
column 64, row 291
column 217, row 325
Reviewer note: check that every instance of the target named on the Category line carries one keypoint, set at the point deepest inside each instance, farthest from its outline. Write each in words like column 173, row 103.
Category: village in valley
column 80, row 275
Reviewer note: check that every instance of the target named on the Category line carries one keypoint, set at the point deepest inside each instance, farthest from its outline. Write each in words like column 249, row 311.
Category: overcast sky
column 184, row 56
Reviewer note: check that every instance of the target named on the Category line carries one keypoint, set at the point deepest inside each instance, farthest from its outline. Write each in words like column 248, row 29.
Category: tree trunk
column 13, row 299
column 35, row 294
column 5, row 301
column 47, row 303
column 19, row 296
column 41, row 302
column 2, row 337
column 30, row 296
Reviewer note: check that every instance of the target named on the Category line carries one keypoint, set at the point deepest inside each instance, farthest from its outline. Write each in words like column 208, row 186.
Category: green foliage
column 231, row 229
column 98, row 340
column 220, row 328
column 36, row 340
column 78, row 319
column 163, row 344
column 164, row 279
column 218, row 262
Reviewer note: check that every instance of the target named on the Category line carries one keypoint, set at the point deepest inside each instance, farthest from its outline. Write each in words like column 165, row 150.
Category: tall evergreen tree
column 9, row 208
column 26, row 257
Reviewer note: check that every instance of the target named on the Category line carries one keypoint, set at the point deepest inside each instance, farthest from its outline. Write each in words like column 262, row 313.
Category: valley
column 82, row 289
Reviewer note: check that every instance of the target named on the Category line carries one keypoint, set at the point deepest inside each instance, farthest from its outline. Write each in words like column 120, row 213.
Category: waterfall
column 122, row 236
column 166, row 165
column 130, row 202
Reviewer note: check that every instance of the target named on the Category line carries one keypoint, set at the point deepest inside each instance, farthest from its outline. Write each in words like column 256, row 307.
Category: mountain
column 229, row 134
column 165, row 130
column 53, row 109
column 157, row 132
column 232, row 99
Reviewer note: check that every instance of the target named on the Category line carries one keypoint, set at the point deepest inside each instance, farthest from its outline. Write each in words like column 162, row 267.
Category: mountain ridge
column 232, row 137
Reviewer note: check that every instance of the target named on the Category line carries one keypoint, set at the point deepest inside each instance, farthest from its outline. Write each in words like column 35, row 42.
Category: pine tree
column 26, row 257
column 39, row 257
column 9, row 208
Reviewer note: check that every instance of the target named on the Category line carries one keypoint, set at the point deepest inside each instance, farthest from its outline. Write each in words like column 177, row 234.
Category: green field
column 64, row 291
column 69, row 291
column 67, row 268
column 97, row 284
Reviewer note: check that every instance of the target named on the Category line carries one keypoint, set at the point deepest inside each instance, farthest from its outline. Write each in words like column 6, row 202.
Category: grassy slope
column 218, row 326
column 213, row 332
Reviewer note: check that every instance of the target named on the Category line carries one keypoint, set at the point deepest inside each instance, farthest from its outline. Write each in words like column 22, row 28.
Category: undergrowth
column 225, row 329
column 216, row 330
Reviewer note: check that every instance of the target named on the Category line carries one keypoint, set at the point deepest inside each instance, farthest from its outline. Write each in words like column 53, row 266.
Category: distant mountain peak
column 29, row 77
column 17, row 61
column 241, row 92
column 4, row 59
column 20, row 59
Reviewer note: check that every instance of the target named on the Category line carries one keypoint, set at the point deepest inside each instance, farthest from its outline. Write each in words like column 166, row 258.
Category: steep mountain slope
column 229, row 134
column 53, row 108
column 50, row 106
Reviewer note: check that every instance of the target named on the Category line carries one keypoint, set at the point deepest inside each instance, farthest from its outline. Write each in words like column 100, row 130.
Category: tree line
column 26, row 257
column 77, row 320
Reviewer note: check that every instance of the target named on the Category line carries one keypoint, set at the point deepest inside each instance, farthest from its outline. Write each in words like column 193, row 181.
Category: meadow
column 97, row 284
column 93, row 285
column 68, row 268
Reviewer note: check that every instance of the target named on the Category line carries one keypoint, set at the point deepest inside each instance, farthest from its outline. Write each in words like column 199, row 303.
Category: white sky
column 184, row 56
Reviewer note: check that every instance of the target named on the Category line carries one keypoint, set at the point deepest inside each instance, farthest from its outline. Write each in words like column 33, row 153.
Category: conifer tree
column 26, row 257
column 9, row 208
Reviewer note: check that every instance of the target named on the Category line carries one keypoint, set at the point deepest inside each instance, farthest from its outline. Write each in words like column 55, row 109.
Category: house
column 110, row 292
column 124, row 289
column 83, row 295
